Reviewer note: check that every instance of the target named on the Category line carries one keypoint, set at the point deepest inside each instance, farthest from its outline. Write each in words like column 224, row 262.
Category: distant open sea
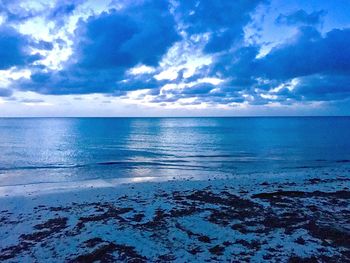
column 38, row 150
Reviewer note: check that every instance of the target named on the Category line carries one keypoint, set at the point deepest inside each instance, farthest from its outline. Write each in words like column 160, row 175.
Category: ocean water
column 37, row 150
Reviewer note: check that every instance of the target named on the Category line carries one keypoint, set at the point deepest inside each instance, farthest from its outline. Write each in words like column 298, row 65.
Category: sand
column 300, row 215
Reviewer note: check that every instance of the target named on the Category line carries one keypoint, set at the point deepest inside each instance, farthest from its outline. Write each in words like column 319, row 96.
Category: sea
column 56, row 150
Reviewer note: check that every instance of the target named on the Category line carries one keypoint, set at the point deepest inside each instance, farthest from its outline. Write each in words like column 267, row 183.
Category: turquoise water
column 38, row 150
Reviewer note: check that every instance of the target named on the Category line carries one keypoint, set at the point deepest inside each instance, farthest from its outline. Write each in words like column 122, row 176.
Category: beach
column 277, row 217
column 174, row 131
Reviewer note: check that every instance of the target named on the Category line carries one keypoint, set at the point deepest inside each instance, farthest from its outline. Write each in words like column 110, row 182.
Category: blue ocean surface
column 37, row 150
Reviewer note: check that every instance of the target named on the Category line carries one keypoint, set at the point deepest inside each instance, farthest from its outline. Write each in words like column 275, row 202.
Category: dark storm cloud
column 301, row 17
column 15, row 49
column 106, row 46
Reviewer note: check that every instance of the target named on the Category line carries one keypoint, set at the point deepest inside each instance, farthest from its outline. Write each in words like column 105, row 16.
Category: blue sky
column 174, row 58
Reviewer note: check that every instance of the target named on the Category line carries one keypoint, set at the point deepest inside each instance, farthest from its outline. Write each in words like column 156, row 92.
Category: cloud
column 32, row 101
column 139, row 35
column 42, row 45
column 5, row 92
column 170, row 50
column 300, row 17
column 201, row 88
column 107, row 46
column 319, row 64
column 62, row 10
column 16, row 11
column 15, row 49
column 308, row 54
column 323, row 87
column 223, row 20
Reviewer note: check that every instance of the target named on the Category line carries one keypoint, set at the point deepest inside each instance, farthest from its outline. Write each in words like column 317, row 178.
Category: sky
column 174, row 58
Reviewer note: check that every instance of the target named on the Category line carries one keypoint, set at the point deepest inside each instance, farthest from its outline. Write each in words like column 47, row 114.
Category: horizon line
column 158, row 117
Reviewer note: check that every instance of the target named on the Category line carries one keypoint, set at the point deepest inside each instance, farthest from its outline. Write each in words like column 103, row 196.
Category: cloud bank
column 174, row 52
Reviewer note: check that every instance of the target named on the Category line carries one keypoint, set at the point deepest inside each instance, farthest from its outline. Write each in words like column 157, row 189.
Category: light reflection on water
column 74, row 149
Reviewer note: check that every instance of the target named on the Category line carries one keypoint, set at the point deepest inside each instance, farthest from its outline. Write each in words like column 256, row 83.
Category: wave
column 40, row 167
column 181, row 163
column 150, row 163
column 122, row 164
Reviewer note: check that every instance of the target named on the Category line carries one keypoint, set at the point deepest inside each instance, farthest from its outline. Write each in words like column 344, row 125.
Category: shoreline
column 275, row 217
column 46, row 188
